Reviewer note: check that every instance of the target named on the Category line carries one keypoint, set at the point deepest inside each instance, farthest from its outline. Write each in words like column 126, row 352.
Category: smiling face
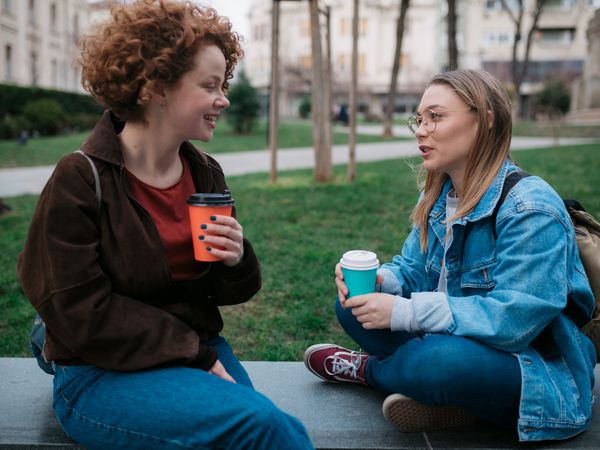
column 447, row 148
column 194, row 104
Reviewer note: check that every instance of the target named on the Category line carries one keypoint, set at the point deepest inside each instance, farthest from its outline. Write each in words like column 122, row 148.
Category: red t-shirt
column 169, row 211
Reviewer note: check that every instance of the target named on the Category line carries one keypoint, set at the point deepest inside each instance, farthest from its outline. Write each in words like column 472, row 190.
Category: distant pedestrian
column 23, row 137
column 343, row 115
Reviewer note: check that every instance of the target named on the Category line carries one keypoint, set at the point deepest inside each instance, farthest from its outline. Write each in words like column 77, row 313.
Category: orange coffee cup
column 201, row 207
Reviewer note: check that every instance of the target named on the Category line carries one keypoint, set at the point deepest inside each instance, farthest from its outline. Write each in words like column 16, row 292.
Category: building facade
column 38, row 41
column 485, row 35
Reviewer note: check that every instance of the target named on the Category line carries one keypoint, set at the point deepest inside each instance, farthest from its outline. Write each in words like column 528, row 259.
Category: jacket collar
column 487, row 203
column 103, row 143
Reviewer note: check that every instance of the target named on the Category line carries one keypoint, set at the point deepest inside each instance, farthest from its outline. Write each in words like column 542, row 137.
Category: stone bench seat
column 337, row 416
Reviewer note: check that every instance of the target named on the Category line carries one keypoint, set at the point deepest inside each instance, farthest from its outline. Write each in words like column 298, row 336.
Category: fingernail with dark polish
column 213, row 217
column 203, row 226
column 201, row 237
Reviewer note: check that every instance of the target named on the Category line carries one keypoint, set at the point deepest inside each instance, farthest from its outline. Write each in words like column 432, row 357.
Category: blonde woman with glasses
column 469, row 320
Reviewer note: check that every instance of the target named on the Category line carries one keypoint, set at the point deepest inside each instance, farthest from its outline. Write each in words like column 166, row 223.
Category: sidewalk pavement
column 31, row 180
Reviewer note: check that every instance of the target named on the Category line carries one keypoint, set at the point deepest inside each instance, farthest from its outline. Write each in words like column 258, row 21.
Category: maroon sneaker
column 336, row 364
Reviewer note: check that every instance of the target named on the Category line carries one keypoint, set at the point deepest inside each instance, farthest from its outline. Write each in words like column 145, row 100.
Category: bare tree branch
column 391, row 101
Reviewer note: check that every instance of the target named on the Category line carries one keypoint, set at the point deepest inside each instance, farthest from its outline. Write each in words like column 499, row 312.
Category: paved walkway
column 31, row 180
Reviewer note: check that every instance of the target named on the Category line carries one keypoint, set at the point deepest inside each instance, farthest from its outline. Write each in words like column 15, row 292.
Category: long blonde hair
column 489, row 100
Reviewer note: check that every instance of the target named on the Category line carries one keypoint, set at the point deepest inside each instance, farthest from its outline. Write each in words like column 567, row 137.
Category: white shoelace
column 344, row 363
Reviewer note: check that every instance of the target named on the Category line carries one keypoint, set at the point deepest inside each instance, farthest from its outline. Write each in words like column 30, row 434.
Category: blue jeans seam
column 123, row 430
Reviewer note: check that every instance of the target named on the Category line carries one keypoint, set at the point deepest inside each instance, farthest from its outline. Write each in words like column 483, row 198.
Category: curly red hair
column 150, row 44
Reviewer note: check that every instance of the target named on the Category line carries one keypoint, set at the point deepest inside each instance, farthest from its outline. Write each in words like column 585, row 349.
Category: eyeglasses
column 429, row 119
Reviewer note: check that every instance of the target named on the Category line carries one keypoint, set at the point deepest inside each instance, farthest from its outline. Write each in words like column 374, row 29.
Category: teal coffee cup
column 360, row 271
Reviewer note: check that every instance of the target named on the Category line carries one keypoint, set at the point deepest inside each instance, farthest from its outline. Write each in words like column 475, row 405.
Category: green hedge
column 18, row 104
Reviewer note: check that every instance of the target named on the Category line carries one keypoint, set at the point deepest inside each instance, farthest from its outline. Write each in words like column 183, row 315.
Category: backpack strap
column 97, row 185
column 509, row 182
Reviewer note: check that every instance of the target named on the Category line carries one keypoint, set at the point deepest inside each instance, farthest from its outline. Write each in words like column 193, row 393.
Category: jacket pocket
column 478, row 276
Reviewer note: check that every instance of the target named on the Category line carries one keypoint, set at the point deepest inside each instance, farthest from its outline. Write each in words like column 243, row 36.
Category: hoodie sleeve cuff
column 432, row 313
column 391, row 284
column 245, row 268
column 402, row 315
column 205, row 358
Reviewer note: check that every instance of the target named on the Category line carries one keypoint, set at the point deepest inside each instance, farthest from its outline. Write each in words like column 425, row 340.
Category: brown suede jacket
column 102, row 284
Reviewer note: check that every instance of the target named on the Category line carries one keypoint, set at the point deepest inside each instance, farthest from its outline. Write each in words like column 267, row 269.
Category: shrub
column 304, row 107
column 554, row 99
column 45, row 115
column 245, row 105
column 11, row 126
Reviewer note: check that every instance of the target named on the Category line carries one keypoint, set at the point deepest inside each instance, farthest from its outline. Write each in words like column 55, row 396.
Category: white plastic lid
column 359, row 260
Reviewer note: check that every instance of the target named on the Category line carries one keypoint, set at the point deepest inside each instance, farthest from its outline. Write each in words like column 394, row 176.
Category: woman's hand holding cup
column 226, row 233
column 361, row 266
column 216, row 235
column 341, row 286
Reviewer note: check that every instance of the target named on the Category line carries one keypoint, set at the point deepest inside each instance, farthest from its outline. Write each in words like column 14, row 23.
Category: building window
column 363, row 26
column 561, row 4
column 343, row 63
column 31, row 12
column 7, row 6
column 8, row 63
column 53, row 17
column 54, row 73
column 497, row 38
column 496, row 5
column 75, row 27
column 306, row 61
column 343, row 26
column 75, row 78
column 304, row 28
column 594, row 3
column 555, row 36
column 33, row 68
column 362, row 64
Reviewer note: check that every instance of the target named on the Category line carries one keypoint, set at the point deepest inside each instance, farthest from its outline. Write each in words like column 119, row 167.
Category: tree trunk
column 452, row 48
column 353, row 102
column 391, row 100
column 274, row 111
column 327, row 123
column 519, row 68
column 323, row 164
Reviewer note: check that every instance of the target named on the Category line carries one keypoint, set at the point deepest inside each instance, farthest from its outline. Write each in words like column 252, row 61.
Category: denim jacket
column 503, row 292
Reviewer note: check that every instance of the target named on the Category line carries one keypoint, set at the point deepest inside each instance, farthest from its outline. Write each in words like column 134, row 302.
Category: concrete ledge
column 336, row 416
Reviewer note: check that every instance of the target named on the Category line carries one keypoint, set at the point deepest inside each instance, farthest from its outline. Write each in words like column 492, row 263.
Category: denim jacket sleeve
column 535, row 253
column 406, row 273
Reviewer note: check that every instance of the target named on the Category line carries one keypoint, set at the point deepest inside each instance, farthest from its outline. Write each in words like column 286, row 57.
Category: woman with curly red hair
column 132, row 319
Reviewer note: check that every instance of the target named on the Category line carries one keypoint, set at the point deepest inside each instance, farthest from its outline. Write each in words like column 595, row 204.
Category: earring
column 162, row 106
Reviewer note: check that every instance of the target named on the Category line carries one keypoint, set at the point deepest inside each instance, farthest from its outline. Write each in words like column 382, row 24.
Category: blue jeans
column 171, row 408
column 437, row 369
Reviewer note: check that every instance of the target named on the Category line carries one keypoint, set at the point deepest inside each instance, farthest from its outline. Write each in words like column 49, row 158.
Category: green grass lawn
column 299, row 230
column 530, row 128
column 48, row 150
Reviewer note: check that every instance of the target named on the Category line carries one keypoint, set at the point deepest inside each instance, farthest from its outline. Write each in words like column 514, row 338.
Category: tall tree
column 519, row 66
column 451, row 28
column 274, row 104
column 353, row 102
column 391, row 100
column 321, row 119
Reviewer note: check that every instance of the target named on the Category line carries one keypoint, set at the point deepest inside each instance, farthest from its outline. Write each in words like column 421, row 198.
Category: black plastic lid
column 211, row 199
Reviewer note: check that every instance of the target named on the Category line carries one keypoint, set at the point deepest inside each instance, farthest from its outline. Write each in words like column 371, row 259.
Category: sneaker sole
column 410, row 416
column 308, row 352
